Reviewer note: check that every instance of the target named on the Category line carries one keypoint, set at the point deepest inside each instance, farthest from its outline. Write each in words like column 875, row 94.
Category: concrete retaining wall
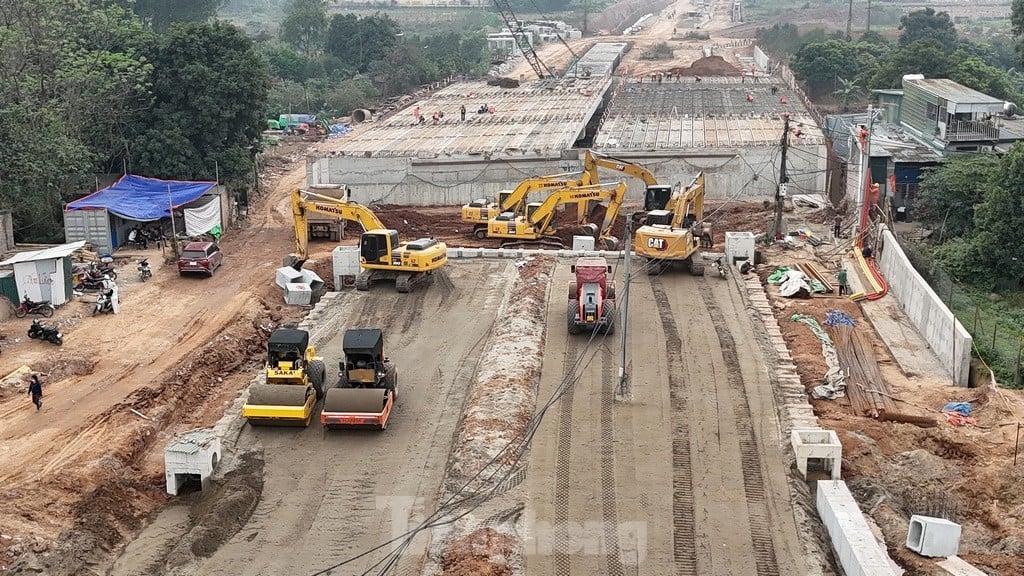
column 856, row 548
column 945, row 335
column 412, row 181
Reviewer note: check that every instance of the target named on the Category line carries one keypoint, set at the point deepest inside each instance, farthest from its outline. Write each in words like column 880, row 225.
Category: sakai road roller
column 591, row 297
column 367, row 384
column 295, row 381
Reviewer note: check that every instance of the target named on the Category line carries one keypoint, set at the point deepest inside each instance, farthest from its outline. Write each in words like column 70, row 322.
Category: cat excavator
column 536, row 227
column 675, row 233
column 381, row 255
column 656, row 196
column 479, row 212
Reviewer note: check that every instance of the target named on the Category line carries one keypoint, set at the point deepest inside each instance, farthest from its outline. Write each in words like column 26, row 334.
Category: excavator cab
column 656, row 197
column 367, row 383
column 375, row 246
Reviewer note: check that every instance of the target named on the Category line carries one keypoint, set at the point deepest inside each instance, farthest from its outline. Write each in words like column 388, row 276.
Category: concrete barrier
column 950, row 341
column 856, row 548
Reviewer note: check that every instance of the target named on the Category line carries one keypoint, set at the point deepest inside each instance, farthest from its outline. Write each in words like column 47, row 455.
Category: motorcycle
column 104, row 303
column 27, row 306
column 719, row 268
column 92, row 282
column 144, row 272
column 51, row 334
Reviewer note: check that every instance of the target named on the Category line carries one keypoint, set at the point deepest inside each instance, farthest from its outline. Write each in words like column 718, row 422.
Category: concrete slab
column 933, row 537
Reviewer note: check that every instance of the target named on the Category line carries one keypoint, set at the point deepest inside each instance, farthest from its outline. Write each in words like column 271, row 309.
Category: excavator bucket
column 357, row 408
column 279, row 405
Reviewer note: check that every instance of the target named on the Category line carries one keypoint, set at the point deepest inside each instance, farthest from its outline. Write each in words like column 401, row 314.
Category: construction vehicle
column 295, row 381
column 674, row 234
column 367, row 384
column 591, row 297
column 479, row 212
column 536, row 227
column 656, row 196
column 381, row 255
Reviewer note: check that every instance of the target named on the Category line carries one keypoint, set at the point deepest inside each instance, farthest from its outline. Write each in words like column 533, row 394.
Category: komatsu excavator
column 381, row 255
column 479, row 212
column 673, row 234
column 656, row 196
column 536, row 227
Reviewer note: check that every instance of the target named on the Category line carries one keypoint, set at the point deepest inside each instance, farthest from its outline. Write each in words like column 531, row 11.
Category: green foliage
column 160, row 14
column 781, row 39
column 304, row 25
column 974, row 73
column 818, row 64
column 210, row 87
column 361, row 41
column 950, row 192
column 926, row 24
column 925, row 56
column 999, row 225
column 848, row 92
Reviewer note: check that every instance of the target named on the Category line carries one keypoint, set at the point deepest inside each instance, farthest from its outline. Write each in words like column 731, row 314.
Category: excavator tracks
column 609, row 512
column 753, row 478
column 563, row 482
column 684, row 551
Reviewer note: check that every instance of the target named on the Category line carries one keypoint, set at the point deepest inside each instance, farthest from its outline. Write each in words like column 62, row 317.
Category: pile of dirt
column 483, row 552
column 709, row 66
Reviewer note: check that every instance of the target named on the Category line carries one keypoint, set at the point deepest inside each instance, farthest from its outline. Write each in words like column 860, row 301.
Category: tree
column 1017, row 28
column 974, row 73
column 818, row 64
column 999, row 225
column 305, row 25
column 950, row 192
column 361, row 41
column 922, row 57
column 210, row 89
column 927, row 24
column 160, row 14
column 849, row 91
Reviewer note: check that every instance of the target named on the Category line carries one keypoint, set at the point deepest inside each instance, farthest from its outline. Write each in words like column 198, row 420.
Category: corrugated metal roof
column 44, row 254
column 952, row 91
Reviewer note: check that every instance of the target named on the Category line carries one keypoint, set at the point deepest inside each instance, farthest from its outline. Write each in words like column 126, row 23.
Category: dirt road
column 331, row 495
column 686, row 478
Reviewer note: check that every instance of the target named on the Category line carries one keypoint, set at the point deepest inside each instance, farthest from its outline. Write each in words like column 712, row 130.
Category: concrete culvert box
column 190, row 459
column 933, row 537
column 361, row 115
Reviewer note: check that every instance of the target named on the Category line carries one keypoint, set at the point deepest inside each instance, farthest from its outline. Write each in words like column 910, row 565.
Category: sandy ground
column 610, row 492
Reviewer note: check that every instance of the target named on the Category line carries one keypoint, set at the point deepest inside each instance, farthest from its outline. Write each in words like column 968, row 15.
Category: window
column 933, row 111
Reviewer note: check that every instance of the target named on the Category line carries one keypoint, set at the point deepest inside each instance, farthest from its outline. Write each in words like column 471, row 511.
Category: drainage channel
column 753, row 479
column 684, row 552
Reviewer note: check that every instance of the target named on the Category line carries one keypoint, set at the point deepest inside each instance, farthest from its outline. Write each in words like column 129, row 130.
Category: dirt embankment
column 489, row 445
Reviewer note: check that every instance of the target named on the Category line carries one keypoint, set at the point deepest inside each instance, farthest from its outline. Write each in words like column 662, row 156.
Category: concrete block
column 298, row 294
column 739, row 246
column 470, row 252
column 565, row 254
column 580, row 243
column 818, row 445
column 454, row 252
column 933, row 536
column 191, row 456
column 957, row 566
column 286, row 275
column 489, row 252
column 858, row 552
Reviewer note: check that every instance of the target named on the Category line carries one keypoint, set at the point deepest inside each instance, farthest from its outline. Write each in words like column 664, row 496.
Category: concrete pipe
column 361, row 115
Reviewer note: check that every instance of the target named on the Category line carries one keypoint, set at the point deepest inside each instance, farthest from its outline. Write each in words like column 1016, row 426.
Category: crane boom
column 516, row 28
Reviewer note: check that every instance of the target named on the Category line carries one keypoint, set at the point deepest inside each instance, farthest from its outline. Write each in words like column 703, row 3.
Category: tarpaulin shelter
column 105, row 215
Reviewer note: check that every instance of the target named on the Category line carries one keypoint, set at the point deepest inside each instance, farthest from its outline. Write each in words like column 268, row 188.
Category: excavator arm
column 540, row 218
column 513, row 202
column 593, row 160
column 304, row 202
column 688, row 203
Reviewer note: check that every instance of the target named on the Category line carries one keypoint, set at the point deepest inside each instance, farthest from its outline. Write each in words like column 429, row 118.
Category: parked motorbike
column 719, row 268
column 104, row 304
column 144, row 272
column 27, row 306
column 38, row 331
column 92, row 282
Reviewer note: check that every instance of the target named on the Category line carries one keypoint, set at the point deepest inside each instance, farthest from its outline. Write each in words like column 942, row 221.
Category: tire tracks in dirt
column 753, row 476
column 684, row 531
column 563, row 473
column 609, row 506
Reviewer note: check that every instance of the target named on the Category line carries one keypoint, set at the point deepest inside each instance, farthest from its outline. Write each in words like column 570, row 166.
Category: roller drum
column 357, row 400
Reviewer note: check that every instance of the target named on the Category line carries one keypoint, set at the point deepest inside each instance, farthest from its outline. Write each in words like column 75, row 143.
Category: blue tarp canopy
column 143, row 199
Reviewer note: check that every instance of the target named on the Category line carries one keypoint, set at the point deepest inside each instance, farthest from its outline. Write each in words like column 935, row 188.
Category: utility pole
column 781, row 187
column 868, row 28
column 623, row 391
column 865, row 170
column 849, row 22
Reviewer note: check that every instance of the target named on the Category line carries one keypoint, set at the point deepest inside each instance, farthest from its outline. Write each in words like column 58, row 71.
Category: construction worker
column 837, row 226
column 35, row 390
column 462, row 112
column 844, row 288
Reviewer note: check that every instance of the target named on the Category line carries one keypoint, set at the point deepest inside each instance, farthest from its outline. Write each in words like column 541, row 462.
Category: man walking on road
column 35, row 389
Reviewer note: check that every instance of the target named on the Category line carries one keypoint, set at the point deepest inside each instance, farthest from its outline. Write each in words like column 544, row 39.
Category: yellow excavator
column 656, row 196
column 381, row 255
column 479, row 212
column 675, row 233
column 536, row 226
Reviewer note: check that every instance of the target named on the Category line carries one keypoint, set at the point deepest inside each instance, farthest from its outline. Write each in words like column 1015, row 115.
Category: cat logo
column 657, row 243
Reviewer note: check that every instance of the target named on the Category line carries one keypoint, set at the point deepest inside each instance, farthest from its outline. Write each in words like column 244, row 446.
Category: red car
column 200, row 257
